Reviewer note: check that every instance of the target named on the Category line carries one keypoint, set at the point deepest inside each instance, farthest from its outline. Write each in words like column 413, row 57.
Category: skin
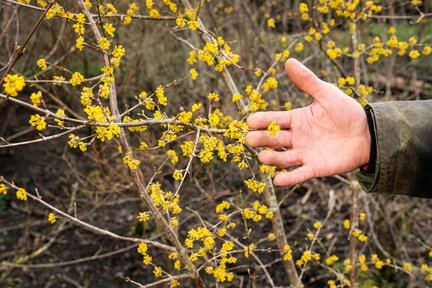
column 330, row 136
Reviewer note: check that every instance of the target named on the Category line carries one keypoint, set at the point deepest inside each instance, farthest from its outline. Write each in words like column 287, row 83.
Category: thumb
column 305, row 79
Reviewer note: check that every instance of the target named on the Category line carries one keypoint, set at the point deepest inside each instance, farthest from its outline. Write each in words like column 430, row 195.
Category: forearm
column 403, row 132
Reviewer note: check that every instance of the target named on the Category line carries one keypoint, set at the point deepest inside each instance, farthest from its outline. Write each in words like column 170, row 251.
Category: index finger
column 261, row 120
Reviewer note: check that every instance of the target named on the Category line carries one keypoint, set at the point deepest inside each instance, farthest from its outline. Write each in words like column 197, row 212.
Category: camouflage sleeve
column 403, row 133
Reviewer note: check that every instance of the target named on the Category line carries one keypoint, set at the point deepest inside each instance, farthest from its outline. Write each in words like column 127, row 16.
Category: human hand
column 328, row 137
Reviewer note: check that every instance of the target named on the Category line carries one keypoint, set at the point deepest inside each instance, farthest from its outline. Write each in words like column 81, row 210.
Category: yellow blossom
column 143, row 216
column 51, row 218
column 427, row 50
column 13, row 84
column 160, row 94
column 330, row 260
column 196, row 107
column 3, row 189
column 273, row 128
column 193, row 25
column 109, row 29
column 193, row 73
column 178, row 175
column 213, row 97
column 414, row 54
column 132, row 163
column 271, row 23
column 76, row 79
column 38, row 122
column 347, row 224
column 41, row 63
column 104, row 43
column 180, row 22
column 21, row 194
column 36, row 98
column 287, row 253
column 255, row 185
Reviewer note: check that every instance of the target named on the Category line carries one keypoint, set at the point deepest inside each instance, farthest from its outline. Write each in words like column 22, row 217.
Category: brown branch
column 135, row 175
column 163, row 281
column 269, row 194
column 117, row 15
column 100, row 124
column 43, row 139
column 88, row 226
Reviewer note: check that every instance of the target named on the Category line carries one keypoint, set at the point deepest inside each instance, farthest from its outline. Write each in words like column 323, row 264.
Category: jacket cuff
column 368, row 175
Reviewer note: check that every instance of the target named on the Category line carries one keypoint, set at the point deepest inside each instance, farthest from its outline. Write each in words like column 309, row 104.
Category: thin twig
column 20, row 50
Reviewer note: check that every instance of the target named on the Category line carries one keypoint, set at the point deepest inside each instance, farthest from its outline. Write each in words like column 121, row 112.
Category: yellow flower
column 270, row 83
column 103, row 43
column 407, row 267
column 80, row 43
column 180, row 22
column 362, row 238
column 255, row 185
column 143, row 217
column 196, row 107
column 330, row 260
column 160, row 94
column 193, row 73
column 60, row 112
column 414, row 54
column 224, row 205
column 51, row 218
column 127, row 20
column 38, row 122
column 133, row 164
column 109, row 29
column 21, row 194
column 173, row 156
column 271, row 23
column 347, row 224
column 133, row 9
column 391, row 30
column 13, row 84
column 118, row 52
column 142, row 248
column 299, row 47
column 178, row 175
column 193, row 25
column 36, row 98
column 76, row 79
column 249, row 249
column 41, row 63
column 237, row 97
column 154, row 13
column 271, row 236
column 362, row 216
column 287, row 253
column 213, row 97
column 273, row 128
column 317, row 225
column 3, row 189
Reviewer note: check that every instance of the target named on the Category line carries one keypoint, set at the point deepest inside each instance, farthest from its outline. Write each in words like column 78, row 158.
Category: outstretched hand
column 328, row 137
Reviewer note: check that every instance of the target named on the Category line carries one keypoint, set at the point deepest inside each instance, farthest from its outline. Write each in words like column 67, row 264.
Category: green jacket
column 403, row 162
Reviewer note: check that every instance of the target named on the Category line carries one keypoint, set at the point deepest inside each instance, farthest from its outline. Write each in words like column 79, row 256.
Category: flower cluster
column 13, row 84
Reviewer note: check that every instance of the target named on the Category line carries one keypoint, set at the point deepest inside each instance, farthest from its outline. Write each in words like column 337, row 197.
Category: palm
column 328, row 137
